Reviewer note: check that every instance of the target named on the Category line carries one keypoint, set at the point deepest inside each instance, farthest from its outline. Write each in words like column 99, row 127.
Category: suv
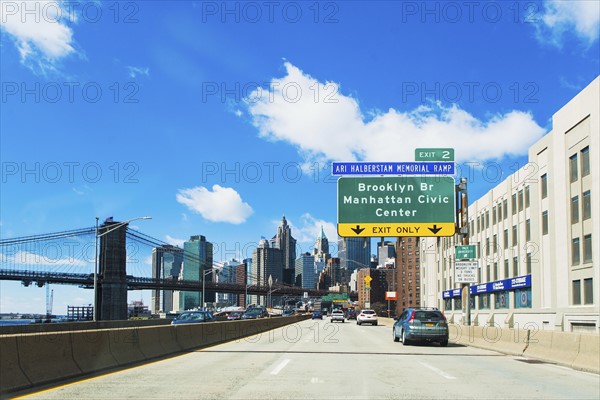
column 421, row 324
column 337, row 315
column 366, row 317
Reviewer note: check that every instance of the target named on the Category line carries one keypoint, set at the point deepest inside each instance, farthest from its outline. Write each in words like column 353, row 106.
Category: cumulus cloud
column 219, row 205
column 578, row 17
column 326, row 125
column 41, row 31
column 134, row 72
column 28, row 258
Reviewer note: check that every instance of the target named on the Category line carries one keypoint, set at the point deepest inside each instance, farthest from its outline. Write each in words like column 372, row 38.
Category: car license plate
column 428, row 324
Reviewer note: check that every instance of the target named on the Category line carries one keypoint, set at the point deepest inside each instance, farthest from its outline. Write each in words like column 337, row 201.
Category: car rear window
column 368, row 312
column 429, row 315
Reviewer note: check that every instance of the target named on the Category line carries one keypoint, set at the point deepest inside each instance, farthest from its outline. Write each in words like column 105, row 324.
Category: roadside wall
column 30, row 360
column 576, row 350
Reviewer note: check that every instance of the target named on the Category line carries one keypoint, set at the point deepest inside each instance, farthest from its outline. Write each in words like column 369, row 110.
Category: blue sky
column 218, row 118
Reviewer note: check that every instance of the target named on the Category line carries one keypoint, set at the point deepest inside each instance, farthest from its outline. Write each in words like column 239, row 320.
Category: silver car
column 337, row 315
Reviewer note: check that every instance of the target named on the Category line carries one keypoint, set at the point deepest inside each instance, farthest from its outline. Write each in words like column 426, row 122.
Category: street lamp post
column 112, row 228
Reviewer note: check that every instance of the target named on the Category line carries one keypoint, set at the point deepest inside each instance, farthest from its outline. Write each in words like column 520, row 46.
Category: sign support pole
column 464, row 233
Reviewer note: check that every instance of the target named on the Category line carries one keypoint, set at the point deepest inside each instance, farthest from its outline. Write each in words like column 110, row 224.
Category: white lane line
column 438, row 371
column 281, row 366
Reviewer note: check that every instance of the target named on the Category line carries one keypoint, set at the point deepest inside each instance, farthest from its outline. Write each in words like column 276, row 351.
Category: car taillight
column 412, row 318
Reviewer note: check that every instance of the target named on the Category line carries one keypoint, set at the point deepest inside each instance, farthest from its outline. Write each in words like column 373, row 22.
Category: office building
column 197, row 265
column 354, row 253
column 167, row 261
column 536, row 235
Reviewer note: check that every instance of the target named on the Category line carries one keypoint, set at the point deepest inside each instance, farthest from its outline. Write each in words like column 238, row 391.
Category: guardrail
column 30, row 360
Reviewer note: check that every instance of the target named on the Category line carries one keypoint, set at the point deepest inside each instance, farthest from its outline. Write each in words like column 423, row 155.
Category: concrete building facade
column 536, row 234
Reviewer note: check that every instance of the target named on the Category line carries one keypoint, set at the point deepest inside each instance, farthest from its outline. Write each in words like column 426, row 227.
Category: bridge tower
column 112, row 285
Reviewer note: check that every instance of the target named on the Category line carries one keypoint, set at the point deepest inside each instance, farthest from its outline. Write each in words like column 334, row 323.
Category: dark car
column 317, row 314
column 288, row 312
column 350, row 314
column 193, row 317
column 421, row 324
column 254, row 313
column 234, row 315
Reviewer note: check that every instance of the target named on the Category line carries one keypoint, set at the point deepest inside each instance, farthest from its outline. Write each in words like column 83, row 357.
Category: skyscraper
column 287, row 244
column 354, row 253
column 197, row 259
column 267, row 261
column 166, row 264
column 305, row 271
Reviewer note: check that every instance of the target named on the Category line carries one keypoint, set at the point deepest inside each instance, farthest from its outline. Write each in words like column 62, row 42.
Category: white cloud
column 28, row 258
column 41, row 31
column 138, row 71
column 221, row 205
column 580, row 17
column 326, row 125
column 174, row 241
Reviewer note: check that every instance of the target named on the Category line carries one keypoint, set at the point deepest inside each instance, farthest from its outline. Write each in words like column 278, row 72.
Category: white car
column 337, row 315
column 366, row 317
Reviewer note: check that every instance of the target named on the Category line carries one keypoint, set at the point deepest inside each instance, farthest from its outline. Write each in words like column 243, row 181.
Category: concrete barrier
column 31, row 360
column 125, row 346
column 46, row 357
column 12, row 377
column 565, row 347
column 588, row 356
column 91, row 350
column 539, row 345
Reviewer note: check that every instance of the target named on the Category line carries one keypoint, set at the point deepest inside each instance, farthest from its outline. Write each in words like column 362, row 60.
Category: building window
column 502, row 299
column 587, row 248
column 478, row 223
column 514, row 235
column 484, row 301
column 521, row 200
column 494, row 216
column 487, row 246
column 544, row 185
column 487, row 219
column 528, row 230
column 495, row 271
column 573, row 167
column 588, row 291
column 545, row 222
column 515, row 266
column 528, row 262
column 495, row 243
column 488, row 273
column 513, row 204
column 505, row 239
column 527, row 201
column 585, row 161
column 506, row 269
column 575, row 255
column 523, row 298
column 587, row 205
column 576, row 292
column 574, row 209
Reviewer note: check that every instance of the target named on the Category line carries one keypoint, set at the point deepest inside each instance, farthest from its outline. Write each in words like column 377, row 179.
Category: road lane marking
column 280, row 366
column 438, row 371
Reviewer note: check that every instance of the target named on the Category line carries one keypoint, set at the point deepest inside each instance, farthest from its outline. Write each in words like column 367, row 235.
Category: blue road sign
column 392, row 168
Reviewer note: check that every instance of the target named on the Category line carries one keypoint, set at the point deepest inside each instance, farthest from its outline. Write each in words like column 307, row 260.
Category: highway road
column 320, row 360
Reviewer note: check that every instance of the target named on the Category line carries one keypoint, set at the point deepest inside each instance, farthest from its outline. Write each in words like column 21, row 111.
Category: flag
column 109, row 219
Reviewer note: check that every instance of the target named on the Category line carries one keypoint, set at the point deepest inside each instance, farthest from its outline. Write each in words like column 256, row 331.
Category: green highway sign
column 444, row 154
column 396, row 206
column 468, row 252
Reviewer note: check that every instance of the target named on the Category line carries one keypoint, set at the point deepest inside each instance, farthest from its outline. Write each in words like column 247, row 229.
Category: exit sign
column 465, row 252
column 443, row 154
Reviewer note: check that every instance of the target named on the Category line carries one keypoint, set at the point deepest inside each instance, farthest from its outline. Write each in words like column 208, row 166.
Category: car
column 421, row 324
column 350, row 314
column 255, row 312
column 337, row 315
column 288, row 312
column 366, row 317
column 317, row 314
column 234, row 315
column 192, row 317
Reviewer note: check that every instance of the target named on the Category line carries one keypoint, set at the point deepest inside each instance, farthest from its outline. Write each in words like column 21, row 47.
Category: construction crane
column 49, row 301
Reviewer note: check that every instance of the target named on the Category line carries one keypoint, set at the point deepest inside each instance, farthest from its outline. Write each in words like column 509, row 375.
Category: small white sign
column 466, row 271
